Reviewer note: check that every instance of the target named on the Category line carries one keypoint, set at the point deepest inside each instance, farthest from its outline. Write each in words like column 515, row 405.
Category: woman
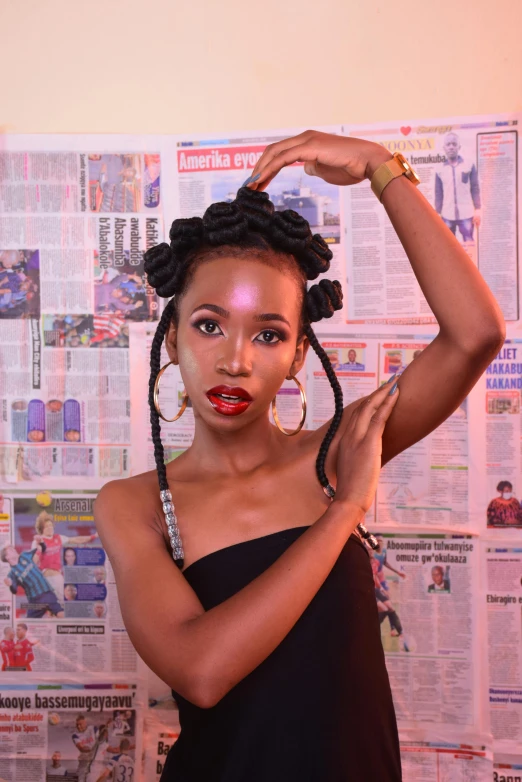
column 504, row 510
column 269, row 635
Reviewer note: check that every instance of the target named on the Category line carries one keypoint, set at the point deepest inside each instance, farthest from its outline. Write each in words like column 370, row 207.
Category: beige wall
column 203, row 65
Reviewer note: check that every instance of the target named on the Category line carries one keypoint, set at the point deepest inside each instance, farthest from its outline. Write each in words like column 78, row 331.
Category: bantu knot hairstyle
column 250, row 222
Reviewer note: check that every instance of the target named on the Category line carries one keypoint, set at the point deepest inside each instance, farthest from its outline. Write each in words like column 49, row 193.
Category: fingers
column 302, row 153
column 273, row 150
column 375, row 410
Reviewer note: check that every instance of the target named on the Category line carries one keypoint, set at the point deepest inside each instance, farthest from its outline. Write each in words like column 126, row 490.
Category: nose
column 235, row 358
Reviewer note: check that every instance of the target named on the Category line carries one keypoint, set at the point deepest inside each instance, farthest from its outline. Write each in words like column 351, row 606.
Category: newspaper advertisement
column 428, row 484
column 83, row 732
column 425, row 587
column 497, row 438
column 178, row 435
column 73, row 229
column 502, row 576
column 161, row 732
column 468, row 169
column 59, row 610
column 210, row 170
column 446, row 761
column 507, row 768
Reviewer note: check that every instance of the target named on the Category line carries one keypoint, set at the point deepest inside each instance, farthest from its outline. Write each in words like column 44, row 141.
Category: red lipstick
column 229, row 400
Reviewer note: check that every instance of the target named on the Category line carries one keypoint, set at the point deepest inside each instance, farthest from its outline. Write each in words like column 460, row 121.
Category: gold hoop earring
column 303, row 410
column 156, row 397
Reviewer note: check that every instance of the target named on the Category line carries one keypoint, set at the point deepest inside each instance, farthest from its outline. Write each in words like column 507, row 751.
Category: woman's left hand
column 336, row 159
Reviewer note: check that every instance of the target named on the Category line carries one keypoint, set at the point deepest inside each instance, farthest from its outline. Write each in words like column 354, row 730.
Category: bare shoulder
column 128, row 504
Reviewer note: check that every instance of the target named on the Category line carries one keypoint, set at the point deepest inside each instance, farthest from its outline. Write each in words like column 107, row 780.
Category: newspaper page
column 435, row 760
column 161, row 732
column 427, row 485
column 213, row 169
column 502, row 579
column 496, row 445
column 59, row 609
column 425, row 587
column 73, row 228
column 468, row 169
column 83, row 732
column 507, row 768
column 178, row 435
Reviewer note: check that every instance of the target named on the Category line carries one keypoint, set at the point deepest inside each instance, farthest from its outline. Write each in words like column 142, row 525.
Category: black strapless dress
column 319, row 708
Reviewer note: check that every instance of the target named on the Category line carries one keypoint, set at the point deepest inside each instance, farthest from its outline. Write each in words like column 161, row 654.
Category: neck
column 232, row 454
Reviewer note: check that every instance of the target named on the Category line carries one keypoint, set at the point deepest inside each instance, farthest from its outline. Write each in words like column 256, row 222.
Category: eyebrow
column 266, row 316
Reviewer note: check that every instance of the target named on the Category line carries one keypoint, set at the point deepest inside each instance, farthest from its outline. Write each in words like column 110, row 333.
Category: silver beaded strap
column 172, row 524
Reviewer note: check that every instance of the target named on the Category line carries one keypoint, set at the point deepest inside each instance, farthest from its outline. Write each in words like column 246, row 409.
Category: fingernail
column 392, row 378
column 255, row 178
column 247, row 181
column 393, row 389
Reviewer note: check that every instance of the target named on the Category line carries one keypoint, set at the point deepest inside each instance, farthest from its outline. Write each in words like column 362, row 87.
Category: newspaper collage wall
column 76, row 322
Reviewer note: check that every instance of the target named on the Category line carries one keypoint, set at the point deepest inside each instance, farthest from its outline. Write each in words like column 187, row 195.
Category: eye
column 269, row 337
column 208, row 326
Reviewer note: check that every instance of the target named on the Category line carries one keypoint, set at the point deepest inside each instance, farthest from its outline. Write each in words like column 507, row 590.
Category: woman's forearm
column 237, row 635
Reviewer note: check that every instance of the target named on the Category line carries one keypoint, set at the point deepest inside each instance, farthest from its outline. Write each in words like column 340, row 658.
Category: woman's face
column 238, row 327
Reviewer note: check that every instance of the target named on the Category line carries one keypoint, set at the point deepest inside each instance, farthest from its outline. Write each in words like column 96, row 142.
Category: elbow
column 486, row 340
column 202, row 689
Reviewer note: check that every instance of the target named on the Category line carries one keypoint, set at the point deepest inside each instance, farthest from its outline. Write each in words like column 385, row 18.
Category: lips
column 229, row 400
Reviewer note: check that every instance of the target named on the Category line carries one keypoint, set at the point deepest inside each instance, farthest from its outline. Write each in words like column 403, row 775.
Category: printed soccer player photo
column 440, row 580
column 23, row 654
column 25, row 573
column 7, row 648
column 457, row 190
column 504, row 510
column 50, row 561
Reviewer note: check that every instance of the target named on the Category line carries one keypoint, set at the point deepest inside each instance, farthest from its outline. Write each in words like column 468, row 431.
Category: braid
column 338, row 414
column 155, row 363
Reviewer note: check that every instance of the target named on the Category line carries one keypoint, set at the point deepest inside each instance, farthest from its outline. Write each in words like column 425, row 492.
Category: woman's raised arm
column 471, row 325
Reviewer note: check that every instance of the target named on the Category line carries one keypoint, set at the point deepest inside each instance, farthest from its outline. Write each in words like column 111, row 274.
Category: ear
column 171, row 342
column 300, row 356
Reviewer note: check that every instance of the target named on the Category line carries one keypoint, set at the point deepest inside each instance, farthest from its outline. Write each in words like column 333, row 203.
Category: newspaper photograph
column 502, row 581
column 468, row 172
column 59, row 609
column 81, row 732
column 424, row 588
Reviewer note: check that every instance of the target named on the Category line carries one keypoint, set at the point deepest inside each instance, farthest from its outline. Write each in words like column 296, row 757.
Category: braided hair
column 249, row 225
